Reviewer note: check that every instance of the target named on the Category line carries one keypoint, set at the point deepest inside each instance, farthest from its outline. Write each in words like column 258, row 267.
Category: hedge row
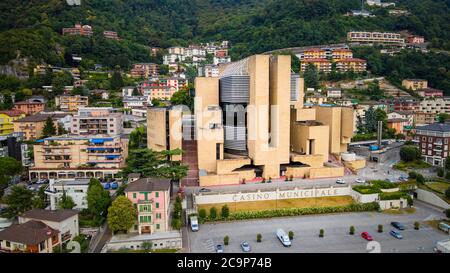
column 244, row 215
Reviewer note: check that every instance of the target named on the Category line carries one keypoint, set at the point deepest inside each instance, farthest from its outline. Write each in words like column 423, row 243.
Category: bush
column 244, row 215
column 352, row 230
column 440, row 172
column 410, row 153
column 382, row 184
column 416, row 225
column 366, row 189
column 226, row 240
column 447, row 175
column 202, row 214
column 412, row 175
column 258, row 237
column 291, row 235
column 447, row 192
column 380, row 228
column 291, row 178
column 394, row 195
column 213, row 213
column 420, row 179
column 225, row 211
column 447, row 213
column 321, row 233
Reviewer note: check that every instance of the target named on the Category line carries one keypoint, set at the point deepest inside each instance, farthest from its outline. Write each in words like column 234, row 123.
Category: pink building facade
column 151, row 198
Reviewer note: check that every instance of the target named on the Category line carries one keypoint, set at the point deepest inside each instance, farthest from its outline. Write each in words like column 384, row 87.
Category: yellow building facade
column 7, row 119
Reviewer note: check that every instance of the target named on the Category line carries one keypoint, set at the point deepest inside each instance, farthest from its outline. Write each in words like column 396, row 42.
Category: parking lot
column 336, row 239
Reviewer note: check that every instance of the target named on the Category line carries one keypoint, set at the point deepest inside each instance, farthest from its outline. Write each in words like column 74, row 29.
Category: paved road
column 336, row 226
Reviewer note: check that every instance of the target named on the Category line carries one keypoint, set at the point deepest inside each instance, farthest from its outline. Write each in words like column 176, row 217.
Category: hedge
column 244, row 215
column 381, row 184
column 366, row 189
column 394, row 195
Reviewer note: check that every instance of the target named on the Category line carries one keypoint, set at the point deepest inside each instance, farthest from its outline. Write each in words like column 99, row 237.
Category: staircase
column 190, row 158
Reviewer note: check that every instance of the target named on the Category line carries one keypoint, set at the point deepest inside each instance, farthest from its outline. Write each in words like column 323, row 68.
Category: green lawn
column 438, row 186
column 413, row 165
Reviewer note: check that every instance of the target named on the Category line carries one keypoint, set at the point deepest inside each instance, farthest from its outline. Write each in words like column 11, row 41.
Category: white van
column 283, row 237
column 194, row 223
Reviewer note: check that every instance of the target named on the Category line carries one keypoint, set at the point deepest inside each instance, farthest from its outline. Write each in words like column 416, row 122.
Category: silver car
column 245, row 246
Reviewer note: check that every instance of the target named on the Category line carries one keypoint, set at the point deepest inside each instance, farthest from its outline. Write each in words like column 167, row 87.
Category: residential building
column 29, row 107
column 415, row 39
column 32, row 126
column 351, row 64
column 341, row 53
column 375, row 37
column 151, row 198
column 415, row 84
column 71, row 103
column 430, row 93
column 232, row 144
column 173, row 58
column 221, row 52
column 380, row 4
column 144, row 70
column 208, row 71
column 135, row 102
column 110, row 35
column 435, row 105
column 421, row 118
column 75, row 188
column 404, row 105
column 178, row 50
column 407, row 115
column 32, row 237
column 7, row 118
column 11, row 145
column 398, row 124
column 314, row 53
column 65, row 221
column 71, row 156
column 221, row 60
column 334, row 93
column 133, row 177
column 128, row 91
column 102, row 93
column 433, row 142
column 97, row 120
column 322, row 65
column 84, row 30
column 159, row 92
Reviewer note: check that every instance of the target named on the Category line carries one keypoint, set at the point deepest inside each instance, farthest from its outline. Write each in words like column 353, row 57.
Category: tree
column 225, row 211
column 202, row 214
column 443, row 117
column 226, row 240
column 380, row 228
column 352, row 230
column 291, row 235
column 258, row 237
column 447, row 192
column 440, row 172
column 61, row 129
column 60, row 81
column 311, row 76
column 416, row 225
column 182, row 97
column 116, row 81
column 49, row 128
column 447, row 163
column 321, row 233
column 212, row 213
column 410, row 153
column 420, row 179
column 9, row 168
column 138, row 138
column 39, row 201
column 19, row 200
column 98, row 198
column 66, row 202
column 147, row 246
column 121, row 214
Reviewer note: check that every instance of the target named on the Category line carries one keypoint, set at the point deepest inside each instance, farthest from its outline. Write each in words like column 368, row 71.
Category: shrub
column 202, row 214
column 291, row 235
column 352, row 230
column 420, row 179
column 258, row 237
column 380, row 228
column 440, row 172
column 291, row 178
column 416, row 225
column 286, row 179
column 393, row 195
column 447, row 175
column 213, row 213
column 226, row 240
column 321, row 233
column 447, row 192
column 412, row 175
column 225, row 211
column 447, row 213
column 409, row 153
column 382, row 184
column 366, row 189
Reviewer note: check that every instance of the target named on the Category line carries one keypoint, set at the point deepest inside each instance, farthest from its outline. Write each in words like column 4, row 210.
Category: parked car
column 396, row 234
column 194, row 223
column 366, row 236
column 360, row 180
column 283, row 237
column 107, row 186
column 403, row 178
column 245, row 246
column 340, row 181
column 114, row 186
column 219, row 249
column 42, row 181
column 204, row 190
column 398, row 225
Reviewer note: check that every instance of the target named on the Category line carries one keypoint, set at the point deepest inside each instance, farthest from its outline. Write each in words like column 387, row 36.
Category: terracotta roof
column 29, row 233
column 28, row 102
column 149, row 184
column 40, row 117
column 12, row 113
column 50, row 215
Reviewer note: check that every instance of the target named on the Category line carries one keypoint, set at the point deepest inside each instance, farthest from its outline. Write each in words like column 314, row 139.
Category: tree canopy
column 121, row 214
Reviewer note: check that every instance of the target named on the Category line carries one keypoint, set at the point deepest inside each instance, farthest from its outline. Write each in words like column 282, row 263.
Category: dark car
column 396, row 234
column 398, row 225
column 219, row 249
column 204, row 190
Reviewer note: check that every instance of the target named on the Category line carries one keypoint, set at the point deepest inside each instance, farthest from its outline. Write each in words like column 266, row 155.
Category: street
column 336, row 226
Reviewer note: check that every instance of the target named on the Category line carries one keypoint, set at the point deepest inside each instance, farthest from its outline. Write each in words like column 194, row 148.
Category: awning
column 97, row 149
column 112, row 156
column 97, row 141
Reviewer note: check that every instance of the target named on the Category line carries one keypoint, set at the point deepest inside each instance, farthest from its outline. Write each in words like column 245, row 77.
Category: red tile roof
column 12, row 113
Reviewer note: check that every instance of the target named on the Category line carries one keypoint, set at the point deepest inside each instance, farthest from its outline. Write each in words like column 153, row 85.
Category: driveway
column 336, row 226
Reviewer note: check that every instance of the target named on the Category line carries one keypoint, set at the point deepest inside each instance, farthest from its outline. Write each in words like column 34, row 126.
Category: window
column 42, row 245
column 157, row 194
column 157, row 205
column 430, row 139
column 157, row 226
column 158, row 216
column 145, row 219
column 8, row 244
column 134, row 195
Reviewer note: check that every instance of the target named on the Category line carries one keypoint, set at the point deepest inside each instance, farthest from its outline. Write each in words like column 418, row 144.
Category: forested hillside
column 33, row 28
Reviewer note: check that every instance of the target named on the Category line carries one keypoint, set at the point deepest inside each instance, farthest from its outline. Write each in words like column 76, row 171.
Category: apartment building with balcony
column 65, row 221
column 33, row 126
column 111, row 35
column 78, row 29
column 144, row 70
column 415, row 84
column 71, row 103
column 73, row 156
column 322, row 65
column 29, row 107
column 433, row 142
column 76, row 188
column 151, row 198
column 341, row 53
column 7, row 118
column 97, row 120
column 421, row 118
column 435, row 105
column 351, row 64
column 314, row 53
column 431, row 93
column 375, row 37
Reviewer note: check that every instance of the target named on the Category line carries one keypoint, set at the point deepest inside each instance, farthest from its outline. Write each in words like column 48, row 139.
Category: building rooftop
column 41, row 117
column 72, row 182
column 437, row 127
column 149, row 184
column 29, row 233
column 12, row 113
column 50, row 215
column 134, row 175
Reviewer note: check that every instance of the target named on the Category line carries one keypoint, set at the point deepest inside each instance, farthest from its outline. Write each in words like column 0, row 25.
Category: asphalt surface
column 336, row 239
